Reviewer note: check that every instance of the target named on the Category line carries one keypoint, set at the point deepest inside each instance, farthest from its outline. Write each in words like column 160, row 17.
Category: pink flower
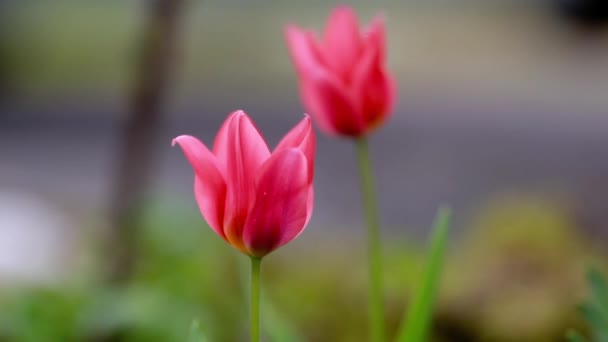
column 343, row 81
column 255, row 200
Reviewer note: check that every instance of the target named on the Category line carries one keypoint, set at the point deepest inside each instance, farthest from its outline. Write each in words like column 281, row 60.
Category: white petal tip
column 239, row 112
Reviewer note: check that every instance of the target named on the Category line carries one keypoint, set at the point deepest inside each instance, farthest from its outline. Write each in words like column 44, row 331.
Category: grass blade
column 594, row 310
column 196, row 333
column 575, row 336
column 418, row 320
column 599, row 289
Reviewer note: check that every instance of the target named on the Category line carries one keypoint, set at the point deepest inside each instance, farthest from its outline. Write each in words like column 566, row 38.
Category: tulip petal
column 310, row 202
column 246, row 151
column 220, row 144
column 331, row 105
column 211, row 204
column 209, row 183
column 301, row 136
column 342, row 44
column 373, row 88
column 303, row 50
column 375, row 36
column 281, row 205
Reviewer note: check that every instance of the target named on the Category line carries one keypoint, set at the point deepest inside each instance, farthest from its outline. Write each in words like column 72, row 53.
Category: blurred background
column 502, row 113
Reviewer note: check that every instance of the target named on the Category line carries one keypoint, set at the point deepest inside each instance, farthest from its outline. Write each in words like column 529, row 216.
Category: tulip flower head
column 254, row 199
column 343, row 80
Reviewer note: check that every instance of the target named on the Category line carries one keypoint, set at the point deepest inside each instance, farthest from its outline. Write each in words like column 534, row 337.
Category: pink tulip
column 255, row 200
column 343, row 81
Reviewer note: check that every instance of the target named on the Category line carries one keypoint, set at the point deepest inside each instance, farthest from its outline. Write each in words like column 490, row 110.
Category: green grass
column 313, row 289
column 417, row 323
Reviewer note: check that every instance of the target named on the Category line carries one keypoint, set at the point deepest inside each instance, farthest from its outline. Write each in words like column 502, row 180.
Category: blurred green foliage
column 67, row 46
column 515, row 275
column 62, row 45
column 594, row 309
column 518, row 275
column 196, row 333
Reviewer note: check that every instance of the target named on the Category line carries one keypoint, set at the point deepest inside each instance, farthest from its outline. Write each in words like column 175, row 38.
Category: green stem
column 255, row 299
column 376, row 302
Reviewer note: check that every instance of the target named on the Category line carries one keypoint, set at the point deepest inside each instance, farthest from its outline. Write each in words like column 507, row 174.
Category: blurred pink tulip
column 255, row 200
column 343, row 81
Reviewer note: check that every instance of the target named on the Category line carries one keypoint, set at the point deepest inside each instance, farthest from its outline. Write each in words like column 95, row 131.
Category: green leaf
column 599, row 289
column 574, row 336
column 593, row 316
column 418, row 320
column 196, row 333
column 278, row 329
column 594, row 309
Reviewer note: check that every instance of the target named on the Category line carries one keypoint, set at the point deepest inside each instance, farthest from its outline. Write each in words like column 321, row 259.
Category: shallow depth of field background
column 502, row 113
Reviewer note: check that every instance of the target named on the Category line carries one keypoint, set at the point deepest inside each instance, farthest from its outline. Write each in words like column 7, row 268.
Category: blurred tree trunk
column 138, row 151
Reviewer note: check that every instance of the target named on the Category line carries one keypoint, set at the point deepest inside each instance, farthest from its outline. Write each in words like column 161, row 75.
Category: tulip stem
column 255, row 299
column 376, row 301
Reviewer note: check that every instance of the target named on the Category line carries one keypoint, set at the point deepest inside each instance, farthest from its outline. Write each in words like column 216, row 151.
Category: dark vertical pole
column 138, row 153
